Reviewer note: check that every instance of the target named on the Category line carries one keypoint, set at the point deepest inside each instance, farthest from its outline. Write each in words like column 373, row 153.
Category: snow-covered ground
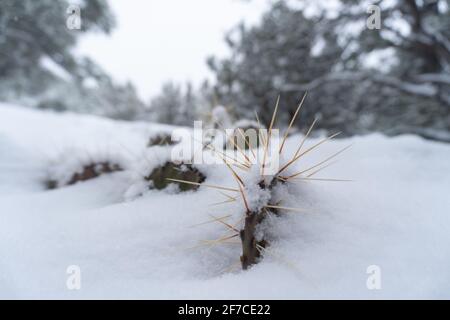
column 395, row 215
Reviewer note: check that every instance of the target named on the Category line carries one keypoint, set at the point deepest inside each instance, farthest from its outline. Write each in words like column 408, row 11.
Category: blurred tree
column 181, row 104
column 284, row 48
column 165, row 107
column 187, row 109
column 33, row 30
column 410, row 86
column 39, row 68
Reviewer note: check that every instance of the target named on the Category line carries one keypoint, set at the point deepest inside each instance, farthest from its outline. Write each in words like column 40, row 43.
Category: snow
column 49, row 64
column 221, row 117
column 395, row 214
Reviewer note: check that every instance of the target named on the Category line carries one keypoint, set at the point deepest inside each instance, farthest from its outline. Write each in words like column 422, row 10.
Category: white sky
column 160, row 40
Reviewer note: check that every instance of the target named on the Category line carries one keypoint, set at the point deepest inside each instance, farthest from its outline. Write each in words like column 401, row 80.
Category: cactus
column 164, row 175
column 251, row 232
column 161, row 139
column 81, row 164
column 94, row 170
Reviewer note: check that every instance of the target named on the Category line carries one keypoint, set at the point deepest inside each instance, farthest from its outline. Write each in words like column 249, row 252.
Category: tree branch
column 427, row 88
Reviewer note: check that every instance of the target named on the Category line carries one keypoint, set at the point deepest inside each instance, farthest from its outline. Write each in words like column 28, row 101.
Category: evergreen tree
column 32, row 30
column 329, row 53
column 285, row 48
column 165, row 107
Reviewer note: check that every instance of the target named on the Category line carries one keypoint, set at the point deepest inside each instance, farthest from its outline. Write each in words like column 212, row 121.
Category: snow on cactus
column 78, row 164
column 160, row 168
column 261, row 176
column 161, row 139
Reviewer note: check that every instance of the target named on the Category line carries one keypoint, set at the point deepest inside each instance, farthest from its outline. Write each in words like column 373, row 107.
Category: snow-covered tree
column 38, row 67
column 394, row 79
column 404, row 64
column 31, row 31
column 284, row 48
column 181, row 104
column 165, row 106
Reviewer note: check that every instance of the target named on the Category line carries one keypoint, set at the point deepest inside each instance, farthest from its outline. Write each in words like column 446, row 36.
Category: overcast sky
column 161, row 40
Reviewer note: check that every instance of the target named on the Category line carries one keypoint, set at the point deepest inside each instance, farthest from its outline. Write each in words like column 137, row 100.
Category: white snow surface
column 394, row 214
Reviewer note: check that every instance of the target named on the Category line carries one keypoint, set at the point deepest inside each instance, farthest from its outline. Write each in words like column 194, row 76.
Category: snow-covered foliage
column 40, row 69
column 402, row 92
column 179, row 104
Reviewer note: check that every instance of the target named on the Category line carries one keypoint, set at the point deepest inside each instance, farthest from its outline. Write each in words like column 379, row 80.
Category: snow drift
column 395, row 215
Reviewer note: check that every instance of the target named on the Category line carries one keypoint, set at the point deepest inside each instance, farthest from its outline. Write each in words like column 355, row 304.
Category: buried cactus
column 257, row 188
column 66, row 170
column 160, row 169
column 170, row 172
column 94, row 170
column 87, row 172
column 161, row 139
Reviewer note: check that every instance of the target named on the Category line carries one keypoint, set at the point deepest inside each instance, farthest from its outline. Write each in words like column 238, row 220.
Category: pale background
column 158, row 41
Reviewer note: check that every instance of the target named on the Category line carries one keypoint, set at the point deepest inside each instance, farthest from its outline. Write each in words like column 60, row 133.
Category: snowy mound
column 393, row 218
